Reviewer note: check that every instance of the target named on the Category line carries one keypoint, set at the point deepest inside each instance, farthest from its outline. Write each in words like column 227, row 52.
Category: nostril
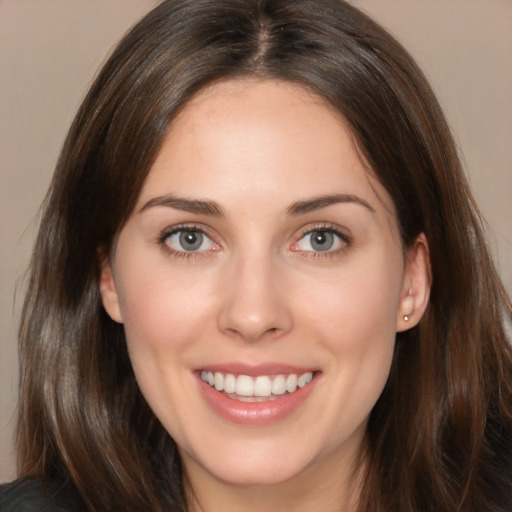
column 254, row 313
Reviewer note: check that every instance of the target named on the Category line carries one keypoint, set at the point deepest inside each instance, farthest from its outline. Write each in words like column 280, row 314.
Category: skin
column 255, row 292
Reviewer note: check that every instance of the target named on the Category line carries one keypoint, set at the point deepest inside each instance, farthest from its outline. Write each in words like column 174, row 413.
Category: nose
column 255, row 301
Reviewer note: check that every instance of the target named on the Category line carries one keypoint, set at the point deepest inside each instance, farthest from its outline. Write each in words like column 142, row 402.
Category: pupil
column 322, row 240
column 191, row 241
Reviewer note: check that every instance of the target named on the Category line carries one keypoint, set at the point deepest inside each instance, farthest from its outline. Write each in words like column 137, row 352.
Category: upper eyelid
column 187, row 227
column 343, row 232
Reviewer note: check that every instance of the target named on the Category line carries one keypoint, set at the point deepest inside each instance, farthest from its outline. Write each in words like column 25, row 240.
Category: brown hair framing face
column 439, row 438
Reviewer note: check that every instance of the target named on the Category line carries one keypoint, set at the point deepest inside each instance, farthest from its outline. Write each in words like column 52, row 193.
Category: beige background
column 51, row 49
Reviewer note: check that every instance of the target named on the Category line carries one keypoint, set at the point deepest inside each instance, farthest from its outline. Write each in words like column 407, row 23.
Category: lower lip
column 255, row 413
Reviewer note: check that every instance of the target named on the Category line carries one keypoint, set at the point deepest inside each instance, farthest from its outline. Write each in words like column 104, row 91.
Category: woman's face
column 263, row 259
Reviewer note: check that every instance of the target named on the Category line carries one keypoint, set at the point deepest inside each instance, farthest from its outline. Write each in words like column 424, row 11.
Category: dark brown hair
column 439, row 438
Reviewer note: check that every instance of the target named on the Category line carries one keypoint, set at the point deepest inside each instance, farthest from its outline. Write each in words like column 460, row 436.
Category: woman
column 261, row 282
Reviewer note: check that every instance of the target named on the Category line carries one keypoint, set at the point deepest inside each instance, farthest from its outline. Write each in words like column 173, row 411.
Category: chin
column 259, row 466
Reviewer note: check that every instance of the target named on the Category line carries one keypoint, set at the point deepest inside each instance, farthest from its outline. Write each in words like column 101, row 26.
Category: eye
column 321, row 240
column 188, row 240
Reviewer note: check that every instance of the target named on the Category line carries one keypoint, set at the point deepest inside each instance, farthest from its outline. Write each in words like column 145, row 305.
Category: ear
column 416, row 285
column 109, row 295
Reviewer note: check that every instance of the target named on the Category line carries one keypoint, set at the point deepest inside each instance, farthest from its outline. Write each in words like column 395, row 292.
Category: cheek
column 357, row 302
column 353, row 315
column 164, row 309
column 165, row 314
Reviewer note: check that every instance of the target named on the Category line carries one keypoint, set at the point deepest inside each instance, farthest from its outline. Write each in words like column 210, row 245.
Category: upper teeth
column 263, row 385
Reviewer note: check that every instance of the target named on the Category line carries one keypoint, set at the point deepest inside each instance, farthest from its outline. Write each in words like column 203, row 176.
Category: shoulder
column 31, row 495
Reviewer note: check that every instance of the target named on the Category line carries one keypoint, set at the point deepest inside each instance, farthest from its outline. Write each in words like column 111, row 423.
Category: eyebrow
column 317, row 203
column 186, row 205
column 214, row 209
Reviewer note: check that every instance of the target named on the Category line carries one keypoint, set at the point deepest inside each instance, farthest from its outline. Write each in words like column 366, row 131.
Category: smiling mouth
column 262, row 388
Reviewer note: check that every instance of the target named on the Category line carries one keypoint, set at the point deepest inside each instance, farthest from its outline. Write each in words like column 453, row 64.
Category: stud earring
column 406, row 318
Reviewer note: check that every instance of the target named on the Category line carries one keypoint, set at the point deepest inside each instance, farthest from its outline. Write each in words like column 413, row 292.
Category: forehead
column 253, row 137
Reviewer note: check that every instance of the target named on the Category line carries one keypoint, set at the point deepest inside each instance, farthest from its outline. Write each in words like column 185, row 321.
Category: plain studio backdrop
column 50, row 51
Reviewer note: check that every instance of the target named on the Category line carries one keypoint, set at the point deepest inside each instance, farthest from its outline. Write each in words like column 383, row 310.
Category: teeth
column 262, row 386
column 279, row 385
column 218, row 381
column 229, row 383
column 291, row 383
column 304, row 379
column 256, row 389
column 244, row 386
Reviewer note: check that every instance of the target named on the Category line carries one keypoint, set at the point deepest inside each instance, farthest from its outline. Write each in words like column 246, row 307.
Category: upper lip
column 253, row 370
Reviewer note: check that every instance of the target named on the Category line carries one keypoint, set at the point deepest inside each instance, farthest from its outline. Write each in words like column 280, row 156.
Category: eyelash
column 345, row 240
column 183, row 228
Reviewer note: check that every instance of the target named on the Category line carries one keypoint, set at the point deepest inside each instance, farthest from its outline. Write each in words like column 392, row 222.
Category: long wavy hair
column 439, row 438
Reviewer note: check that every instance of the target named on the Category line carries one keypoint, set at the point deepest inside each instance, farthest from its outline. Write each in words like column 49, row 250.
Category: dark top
column 29, row 495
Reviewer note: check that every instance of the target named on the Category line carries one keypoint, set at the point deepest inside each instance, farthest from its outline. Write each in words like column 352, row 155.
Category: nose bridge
column 254, row 303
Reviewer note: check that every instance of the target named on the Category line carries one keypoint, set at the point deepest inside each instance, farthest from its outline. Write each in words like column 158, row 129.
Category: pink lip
column 254, row 413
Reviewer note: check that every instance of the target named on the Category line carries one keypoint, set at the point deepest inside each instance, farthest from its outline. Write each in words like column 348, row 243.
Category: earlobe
column 416, row 285
column 109, row 295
